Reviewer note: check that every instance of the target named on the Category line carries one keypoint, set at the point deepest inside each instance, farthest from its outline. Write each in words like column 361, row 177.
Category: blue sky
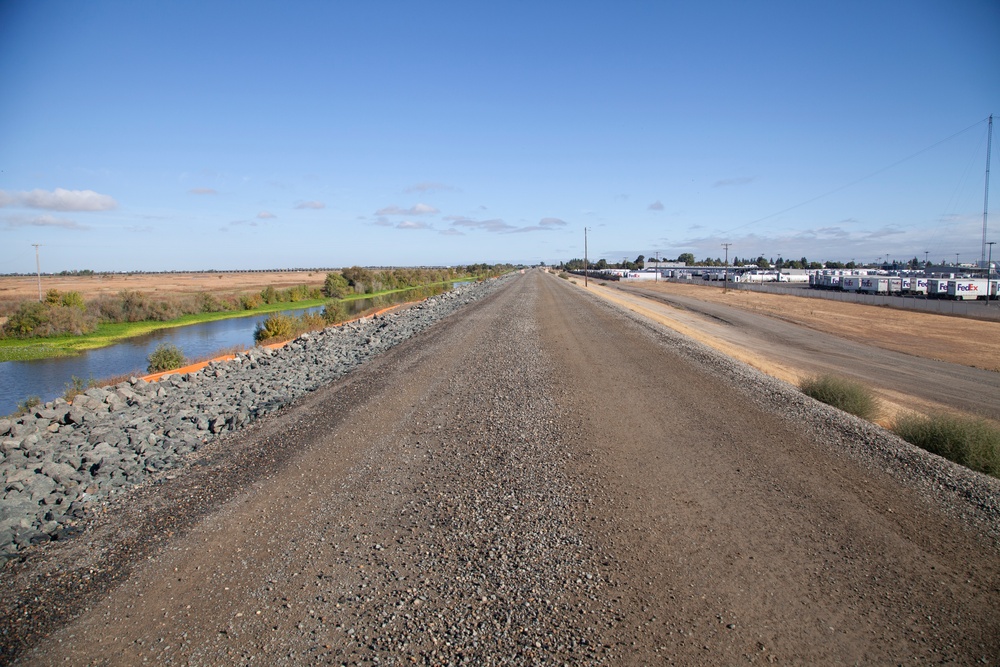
column 228, row 135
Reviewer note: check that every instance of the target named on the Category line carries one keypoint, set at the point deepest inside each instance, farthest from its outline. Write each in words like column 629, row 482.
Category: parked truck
column 967, row 289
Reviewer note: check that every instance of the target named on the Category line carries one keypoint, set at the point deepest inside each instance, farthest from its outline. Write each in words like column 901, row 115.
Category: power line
column 855, row 182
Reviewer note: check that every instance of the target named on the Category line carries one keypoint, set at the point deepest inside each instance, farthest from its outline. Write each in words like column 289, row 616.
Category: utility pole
column 38, row 271
column 725, row 281
column 586, row 263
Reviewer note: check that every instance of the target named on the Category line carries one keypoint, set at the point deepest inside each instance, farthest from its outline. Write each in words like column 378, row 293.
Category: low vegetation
column 26, row 406
column 77, row 386
column 969, row 441
column 65, row 324
column 843, row 394
column 166, row 357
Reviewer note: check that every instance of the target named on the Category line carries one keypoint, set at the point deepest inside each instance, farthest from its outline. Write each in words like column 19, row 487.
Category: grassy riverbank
column 28, row 349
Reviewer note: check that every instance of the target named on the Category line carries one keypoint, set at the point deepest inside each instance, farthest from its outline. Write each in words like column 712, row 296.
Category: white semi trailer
column 967, row 289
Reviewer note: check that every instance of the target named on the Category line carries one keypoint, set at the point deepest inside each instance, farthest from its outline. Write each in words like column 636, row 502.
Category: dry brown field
column 19, row 288
column 957, row 340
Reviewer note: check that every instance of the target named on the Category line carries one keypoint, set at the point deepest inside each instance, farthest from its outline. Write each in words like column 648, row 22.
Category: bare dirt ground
column 19, row 288
column 956, row 340
column 535, row 480
column 792, row 338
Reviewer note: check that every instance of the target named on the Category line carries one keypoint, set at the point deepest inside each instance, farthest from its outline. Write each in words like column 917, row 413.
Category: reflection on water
column 48, row 378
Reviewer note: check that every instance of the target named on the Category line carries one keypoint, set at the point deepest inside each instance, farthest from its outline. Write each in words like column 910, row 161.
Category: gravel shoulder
column 539, row 478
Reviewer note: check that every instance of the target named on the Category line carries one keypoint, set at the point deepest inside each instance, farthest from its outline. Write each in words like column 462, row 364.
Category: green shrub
column 269, row 294
column 29, row 316
column 335, row 286
column 249, row 301
column 73, row 300
column 276, row 326
column 969, row 441
column 843, row 394
column 335, row 312
column 166, row 357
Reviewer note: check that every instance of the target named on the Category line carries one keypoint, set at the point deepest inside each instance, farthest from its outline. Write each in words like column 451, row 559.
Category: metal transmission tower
column 986, row 194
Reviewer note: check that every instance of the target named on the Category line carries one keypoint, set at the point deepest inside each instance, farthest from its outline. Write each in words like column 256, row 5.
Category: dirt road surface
column 791, row 351
column 538, row 479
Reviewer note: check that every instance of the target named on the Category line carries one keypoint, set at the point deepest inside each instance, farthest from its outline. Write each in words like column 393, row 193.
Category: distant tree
column 762, row 263
column 601, row 264
column 640, row 261
column 686, row 257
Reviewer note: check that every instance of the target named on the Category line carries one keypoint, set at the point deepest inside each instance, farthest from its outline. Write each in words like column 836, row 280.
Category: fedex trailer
column 850, row 283
column 937, row 288
column 916, row 286
column 881, row 285
column 967, row 289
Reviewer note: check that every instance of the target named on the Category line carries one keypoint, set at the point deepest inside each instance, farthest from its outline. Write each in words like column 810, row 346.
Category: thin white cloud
column 656, row 206
column 59, row 200
column 409, row 224
column 451, row 232
column 496, row 225
column 43, row 221
column 315, row 205
column 266, row 215
column 203, row 191
column 416, row 209
column 430, row 187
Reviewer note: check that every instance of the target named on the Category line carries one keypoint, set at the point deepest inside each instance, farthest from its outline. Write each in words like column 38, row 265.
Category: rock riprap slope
column 61, row 459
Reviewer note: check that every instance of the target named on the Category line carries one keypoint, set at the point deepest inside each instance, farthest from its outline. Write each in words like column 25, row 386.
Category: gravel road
column 539, row 478
column 784, row 342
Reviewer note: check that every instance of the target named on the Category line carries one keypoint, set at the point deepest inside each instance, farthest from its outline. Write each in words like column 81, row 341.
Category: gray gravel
column 59, row 461
column 970, row 497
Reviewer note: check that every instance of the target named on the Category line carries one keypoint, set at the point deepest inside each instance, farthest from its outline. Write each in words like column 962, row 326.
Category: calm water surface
column 49, row 378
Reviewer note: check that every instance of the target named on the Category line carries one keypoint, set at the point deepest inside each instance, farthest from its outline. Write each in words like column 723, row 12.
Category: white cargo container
column 916, row 286
column 937, row 288
column 874, row 286
column 850, row 283
column 967, row 288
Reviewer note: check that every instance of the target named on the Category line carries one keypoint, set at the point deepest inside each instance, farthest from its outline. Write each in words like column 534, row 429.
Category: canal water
column 49, row 378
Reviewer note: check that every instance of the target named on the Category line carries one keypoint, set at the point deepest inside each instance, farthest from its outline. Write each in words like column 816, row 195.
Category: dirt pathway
column 537, row 479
